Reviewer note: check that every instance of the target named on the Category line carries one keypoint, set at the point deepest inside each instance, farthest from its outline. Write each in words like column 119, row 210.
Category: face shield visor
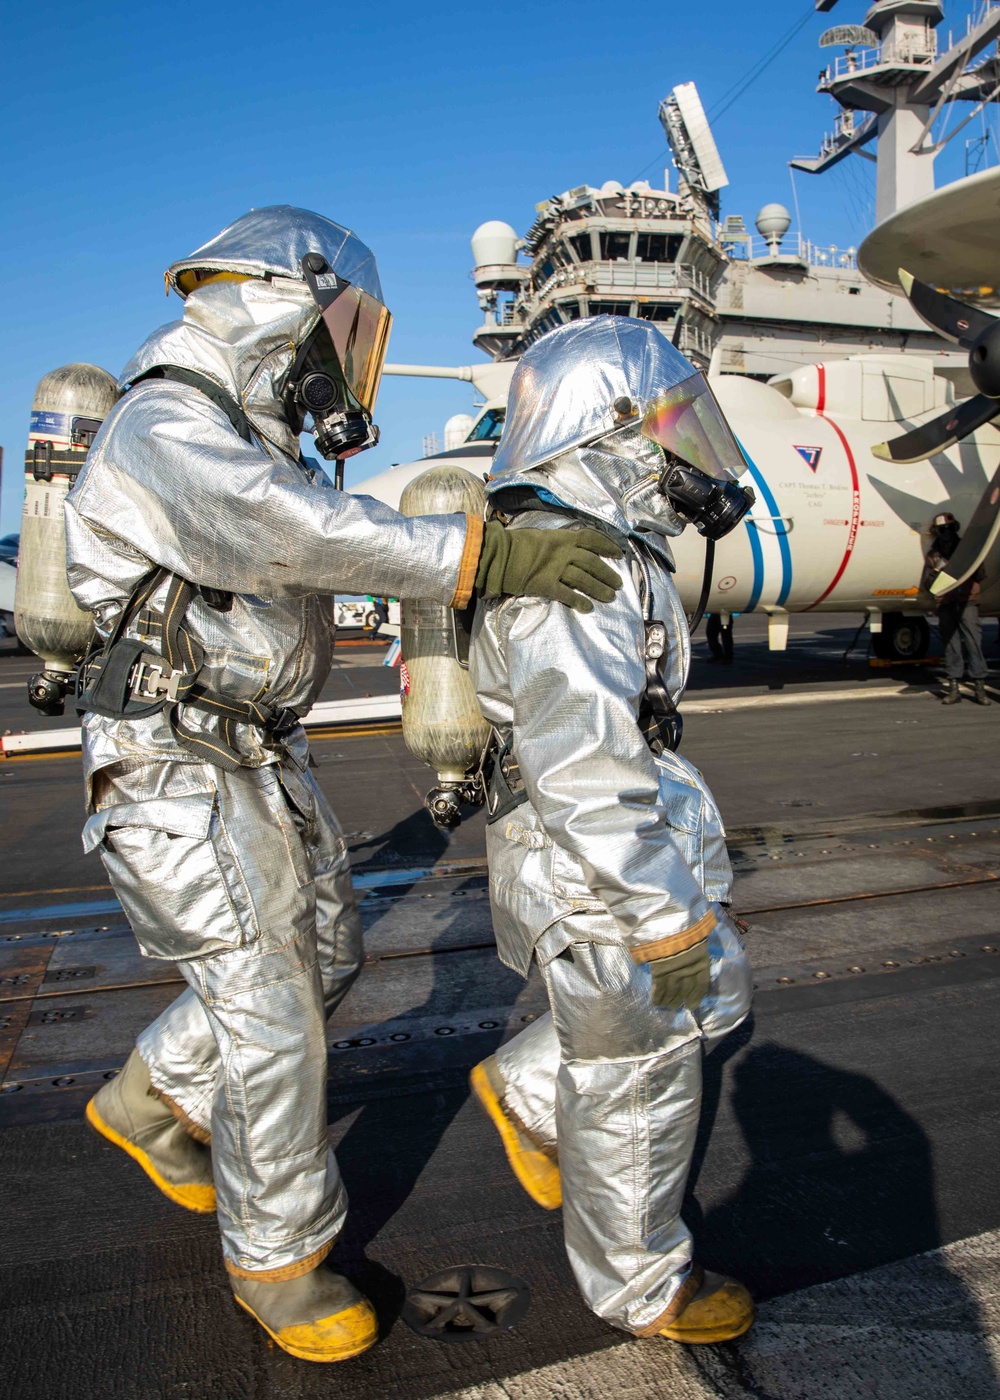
column 337, row 377
column 703, row 458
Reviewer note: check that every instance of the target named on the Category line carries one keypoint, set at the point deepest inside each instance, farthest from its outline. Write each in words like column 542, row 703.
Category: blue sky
column 132, row 133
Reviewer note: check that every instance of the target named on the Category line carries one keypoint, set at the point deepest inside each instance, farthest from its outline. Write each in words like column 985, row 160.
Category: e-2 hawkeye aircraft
column 838, row 525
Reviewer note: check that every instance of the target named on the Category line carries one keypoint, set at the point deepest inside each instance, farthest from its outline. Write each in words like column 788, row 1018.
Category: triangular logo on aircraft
column 809, row 455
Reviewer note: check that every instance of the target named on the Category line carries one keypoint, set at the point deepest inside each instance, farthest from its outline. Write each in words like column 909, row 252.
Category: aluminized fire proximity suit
column 241, row 877
column 617, row 857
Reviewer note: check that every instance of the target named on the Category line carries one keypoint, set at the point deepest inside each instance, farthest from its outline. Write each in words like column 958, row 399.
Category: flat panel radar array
column 692, row 143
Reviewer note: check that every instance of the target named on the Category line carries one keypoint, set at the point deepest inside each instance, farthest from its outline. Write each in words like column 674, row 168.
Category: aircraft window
column 489, row 427
column 614, row 246
column 656, row 311
column 610, row 308
column 581, row 245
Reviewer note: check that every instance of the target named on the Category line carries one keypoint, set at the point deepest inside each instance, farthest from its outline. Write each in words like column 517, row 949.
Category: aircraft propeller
column 979, row 333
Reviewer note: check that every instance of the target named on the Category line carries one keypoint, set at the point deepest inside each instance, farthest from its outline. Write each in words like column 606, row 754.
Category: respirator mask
column 335, row 376
column 702, row 457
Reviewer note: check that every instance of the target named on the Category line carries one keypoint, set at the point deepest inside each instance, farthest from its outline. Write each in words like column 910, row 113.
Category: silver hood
column 565, row 386
column 272, row 242
column 561, row 437
column 244, row 336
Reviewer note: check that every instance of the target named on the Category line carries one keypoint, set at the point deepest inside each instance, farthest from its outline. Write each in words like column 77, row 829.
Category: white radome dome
column 494, row 243
column 456, row 430
column 773, row 221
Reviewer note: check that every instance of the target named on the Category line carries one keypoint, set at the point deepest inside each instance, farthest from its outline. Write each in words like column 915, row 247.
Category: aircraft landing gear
column 904, row 637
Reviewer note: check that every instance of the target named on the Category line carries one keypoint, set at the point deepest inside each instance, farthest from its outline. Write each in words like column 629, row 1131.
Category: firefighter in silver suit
column 607, row 857
column 208, row 551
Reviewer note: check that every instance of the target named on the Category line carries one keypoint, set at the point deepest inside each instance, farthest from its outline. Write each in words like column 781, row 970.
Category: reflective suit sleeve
column 576, row 680
column 170, row 476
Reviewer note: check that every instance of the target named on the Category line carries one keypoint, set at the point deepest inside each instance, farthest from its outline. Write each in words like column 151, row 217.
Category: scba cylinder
column 69, row 406
column 442, row 723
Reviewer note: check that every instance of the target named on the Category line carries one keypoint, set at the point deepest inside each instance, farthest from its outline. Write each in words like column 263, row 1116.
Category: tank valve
column 47, row 693
column 444, row 805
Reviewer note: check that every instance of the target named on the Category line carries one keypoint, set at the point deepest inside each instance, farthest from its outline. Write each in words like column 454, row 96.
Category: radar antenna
column 695, row 153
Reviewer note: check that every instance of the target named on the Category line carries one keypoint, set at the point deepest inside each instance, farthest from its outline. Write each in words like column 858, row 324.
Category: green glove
column 560, row 564
column 681, row 979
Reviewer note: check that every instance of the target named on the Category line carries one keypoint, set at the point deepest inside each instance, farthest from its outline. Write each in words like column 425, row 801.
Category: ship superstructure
column 740, row 302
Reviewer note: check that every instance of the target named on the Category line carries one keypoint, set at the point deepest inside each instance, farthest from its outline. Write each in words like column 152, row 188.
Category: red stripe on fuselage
column 821, row 388
column 852, row 531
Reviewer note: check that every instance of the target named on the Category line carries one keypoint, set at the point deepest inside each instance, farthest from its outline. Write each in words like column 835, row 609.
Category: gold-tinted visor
column 688, row 422
column 359, row 326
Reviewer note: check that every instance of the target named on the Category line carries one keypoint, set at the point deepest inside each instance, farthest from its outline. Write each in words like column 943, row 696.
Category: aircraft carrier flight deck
column 849, row 1129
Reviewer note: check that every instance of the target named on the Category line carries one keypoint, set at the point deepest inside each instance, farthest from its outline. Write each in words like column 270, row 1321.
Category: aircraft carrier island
column 846, row 1148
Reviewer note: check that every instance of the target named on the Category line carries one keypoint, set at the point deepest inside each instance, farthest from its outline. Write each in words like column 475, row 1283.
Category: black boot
column 979, row 695
column 952, row 695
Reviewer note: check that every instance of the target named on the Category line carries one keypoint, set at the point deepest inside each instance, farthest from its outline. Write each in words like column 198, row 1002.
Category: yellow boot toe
column 319, row 1316
column 335, row 1338
column 720, row 1310
column 537, row 1172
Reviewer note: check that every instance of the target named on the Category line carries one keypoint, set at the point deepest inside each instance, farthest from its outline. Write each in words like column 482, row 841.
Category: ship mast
column 893, row 87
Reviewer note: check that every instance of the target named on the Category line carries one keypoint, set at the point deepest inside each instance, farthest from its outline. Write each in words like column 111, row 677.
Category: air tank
column 68, row 409
column 442, row 723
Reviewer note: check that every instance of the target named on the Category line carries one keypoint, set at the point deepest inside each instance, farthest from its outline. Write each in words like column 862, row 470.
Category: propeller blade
column 941, row 432
column 977, row 540
column 953, row 319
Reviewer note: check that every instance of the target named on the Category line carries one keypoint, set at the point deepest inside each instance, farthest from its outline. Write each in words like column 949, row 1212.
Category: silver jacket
column 169, row 482
column 607, row 825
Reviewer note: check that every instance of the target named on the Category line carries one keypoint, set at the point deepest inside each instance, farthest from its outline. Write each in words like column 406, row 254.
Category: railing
column 649, row 276
column 692, row 338
column 752, row 247
column 860, row 60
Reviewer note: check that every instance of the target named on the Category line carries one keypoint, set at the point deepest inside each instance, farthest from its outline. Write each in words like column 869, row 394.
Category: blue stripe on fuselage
column 755, row 546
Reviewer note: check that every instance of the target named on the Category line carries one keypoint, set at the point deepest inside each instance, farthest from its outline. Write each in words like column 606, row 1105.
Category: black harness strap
column 658, row 718
column 112, row 679
column 219, row 396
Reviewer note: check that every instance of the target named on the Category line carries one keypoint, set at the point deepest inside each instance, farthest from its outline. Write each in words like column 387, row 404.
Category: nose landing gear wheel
column 904, row 637
column 466, row 1303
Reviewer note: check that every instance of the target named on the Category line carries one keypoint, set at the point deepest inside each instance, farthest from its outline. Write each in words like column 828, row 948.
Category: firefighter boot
column 319, row 1316
column 534, row 1169
column 717, row 1309
column 128, row 1112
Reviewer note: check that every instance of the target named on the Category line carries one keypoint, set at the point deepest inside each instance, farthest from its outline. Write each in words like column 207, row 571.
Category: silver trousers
column 611, row 1085
column 243, row 881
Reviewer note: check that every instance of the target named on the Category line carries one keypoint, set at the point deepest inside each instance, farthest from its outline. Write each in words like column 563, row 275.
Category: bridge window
column 614, row 247
column 656, row 311
column 581, row 245
column 658, row 247
column 610, row 308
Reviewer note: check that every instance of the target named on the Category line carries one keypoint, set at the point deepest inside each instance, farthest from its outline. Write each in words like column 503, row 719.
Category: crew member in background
column 209, row 552
column 380, row 607
column 719, row 636
column 958, row 616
